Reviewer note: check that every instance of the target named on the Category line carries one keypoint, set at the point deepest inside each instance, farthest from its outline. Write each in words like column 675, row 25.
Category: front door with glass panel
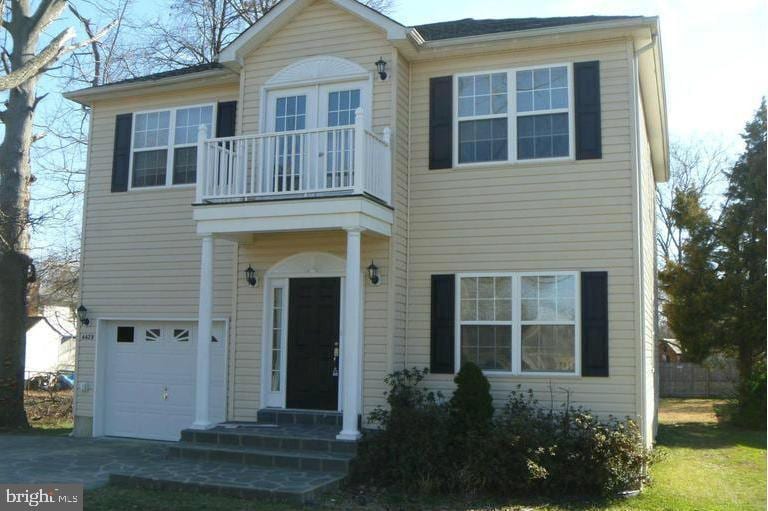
column 303, row 155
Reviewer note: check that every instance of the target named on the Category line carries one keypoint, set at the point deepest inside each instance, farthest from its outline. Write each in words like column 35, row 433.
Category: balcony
column 346, row 170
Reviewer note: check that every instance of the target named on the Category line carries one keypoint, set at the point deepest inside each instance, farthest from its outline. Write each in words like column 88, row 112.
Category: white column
column 351, row 344
column 205, row 323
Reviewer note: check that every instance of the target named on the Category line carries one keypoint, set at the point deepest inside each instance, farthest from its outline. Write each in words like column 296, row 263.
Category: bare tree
column 195, row 31
column 694, row 165
column 24, row 63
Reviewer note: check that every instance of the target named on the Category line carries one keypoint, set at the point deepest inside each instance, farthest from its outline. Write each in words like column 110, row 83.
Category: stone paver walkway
column 41, row 459
column 55, row 459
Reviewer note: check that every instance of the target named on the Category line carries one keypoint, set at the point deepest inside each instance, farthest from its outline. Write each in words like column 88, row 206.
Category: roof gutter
column 211, row 76
column 661, row 111
column 639, row 21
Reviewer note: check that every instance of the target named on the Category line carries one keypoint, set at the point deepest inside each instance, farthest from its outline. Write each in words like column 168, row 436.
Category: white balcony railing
column 323, row 161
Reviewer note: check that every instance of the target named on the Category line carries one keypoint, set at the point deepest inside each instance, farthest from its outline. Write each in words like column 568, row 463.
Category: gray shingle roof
column 471, row 27
column 430, row 32
column 197, row 68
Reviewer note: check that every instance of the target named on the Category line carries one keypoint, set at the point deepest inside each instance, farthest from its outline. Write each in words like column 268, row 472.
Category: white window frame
column 516, row 322
column 276, row 398
column 512, row 115
column 170, row 147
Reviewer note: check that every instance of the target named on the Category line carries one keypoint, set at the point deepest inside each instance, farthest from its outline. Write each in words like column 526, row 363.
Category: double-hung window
column 513, row 115
column 519, row 323
column 482, row 117
column 164, row 149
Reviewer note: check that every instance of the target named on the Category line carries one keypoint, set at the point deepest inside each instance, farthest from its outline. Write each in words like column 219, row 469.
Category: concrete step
column 291, row 437
column 305, row 417
column 309, row 460
column 231, row 479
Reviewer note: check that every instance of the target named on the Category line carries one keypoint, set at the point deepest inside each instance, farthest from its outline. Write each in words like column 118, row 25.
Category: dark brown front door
column 313, row 336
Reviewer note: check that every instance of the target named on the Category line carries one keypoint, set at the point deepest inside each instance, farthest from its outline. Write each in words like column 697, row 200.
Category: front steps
column 287, row 454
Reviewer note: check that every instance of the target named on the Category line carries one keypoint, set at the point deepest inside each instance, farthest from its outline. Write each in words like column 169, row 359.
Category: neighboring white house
column 50, row 341
column 499, row 174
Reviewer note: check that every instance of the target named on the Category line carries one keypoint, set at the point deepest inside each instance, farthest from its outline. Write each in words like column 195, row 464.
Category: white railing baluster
column 340, row 159
column 359, row 159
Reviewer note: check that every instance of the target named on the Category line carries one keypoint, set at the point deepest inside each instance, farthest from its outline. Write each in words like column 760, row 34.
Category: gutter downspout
column 638, row 194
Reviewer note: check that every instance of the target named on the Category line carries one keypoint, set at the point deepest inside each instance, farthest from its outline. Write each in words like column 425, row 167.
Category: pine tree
column 741, row 258
column 717, row 291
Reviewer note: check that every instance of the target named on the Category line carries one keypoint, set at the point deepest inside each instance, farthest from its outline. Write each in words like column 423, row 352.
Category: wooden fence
column 684, row 379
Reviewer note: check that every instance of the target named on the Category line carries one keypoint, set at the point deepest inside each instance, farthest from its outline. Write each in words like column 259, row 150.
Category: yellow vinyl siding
column 536, row 216
column 399, row 254
column 141, row 256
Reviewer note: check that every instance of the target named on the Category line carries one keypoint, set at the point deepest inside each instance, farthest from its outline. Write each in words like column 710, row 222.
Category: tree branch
column 34, row 65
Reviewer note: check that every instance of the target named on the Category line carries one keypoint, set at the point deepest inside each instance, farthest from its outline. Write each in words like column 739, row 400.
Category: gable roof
column 468, row 27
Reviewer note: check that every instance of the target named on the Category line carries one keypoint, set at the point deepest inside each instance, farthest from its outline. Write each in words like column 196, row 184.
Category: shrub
column 524, row 450
column 471, row 407
column 410, row 449
column 751, row 406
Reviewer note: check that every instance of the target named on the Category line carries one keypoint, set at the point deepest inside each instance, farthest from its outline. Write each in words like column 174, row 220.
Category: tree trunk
column 15, row 179
column 13, row 282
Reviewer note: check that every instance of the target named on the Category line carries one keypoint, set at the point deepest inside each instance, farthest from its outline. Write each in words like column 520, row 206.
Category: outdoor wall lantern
column 381, row 67
column 82, row 315
column 250, row 276
column 373, row 274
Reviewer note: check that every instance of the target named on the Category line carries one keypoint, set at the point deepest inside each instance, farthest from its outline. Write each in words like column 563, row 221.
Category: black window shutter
column 121, row 154
column 442, row 324
column 586, row 85
column 441, row 122
column 594, row 323
column 226, row 115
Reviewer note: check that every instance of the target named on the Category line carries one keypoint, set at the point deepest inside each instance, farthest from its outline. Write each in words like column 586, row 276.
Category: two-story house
column 340, row 196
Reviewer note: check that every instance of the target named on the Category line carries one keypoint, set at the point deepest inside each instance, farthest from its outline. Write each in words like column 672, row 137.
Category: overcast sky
column 712, row 51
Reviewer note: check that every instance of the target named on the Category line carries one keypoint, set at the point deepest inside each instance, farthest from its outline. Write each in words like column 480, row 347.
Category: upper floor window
column 165, row 145
column 512, row 115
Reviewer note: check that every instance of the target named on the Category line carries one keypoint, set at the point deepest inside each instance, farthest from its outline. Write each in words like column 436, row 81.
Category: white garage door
column 150, row 378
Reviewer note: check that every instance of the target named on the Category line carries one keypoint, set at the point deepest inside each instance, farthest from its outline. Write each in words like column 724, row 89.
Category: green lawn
column 705, row 466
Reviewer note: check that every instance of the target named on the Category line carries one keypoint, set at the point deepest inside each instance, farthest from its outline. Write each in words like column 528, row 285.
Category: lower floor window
column 519, row 323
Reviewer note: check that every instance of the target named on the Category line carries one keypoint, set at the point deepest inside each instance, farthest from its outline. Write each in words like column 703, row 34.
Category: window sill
column 162, row 187
column 550, row 376
column 511, row 163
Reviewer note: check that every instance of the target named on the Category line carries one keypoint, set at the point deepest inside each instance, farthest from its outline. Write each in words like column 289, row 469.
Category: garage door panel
column 150, row 382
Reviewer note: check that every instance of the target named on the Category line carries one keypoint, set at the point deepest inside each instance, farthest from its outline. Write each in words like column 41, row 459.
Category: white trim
column 639, row 21
column 516, row 323
column 170, row 147
column 99, row 384
column 210, row 77
column 318, row 69
column 294, row 215
column 512, row 115
column 637, row 220
column 263, row 29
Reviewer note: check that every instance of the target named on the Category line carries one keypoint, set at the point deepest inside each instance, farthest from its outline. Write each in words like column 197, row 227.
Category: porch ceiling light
column 373, row 274
column 82, row 315
column 381, row 67
column 250, row 276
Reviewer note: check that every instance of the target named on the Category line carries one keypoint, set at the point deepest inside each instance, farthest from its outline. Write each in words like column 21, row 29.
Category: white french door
column 315, row 146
